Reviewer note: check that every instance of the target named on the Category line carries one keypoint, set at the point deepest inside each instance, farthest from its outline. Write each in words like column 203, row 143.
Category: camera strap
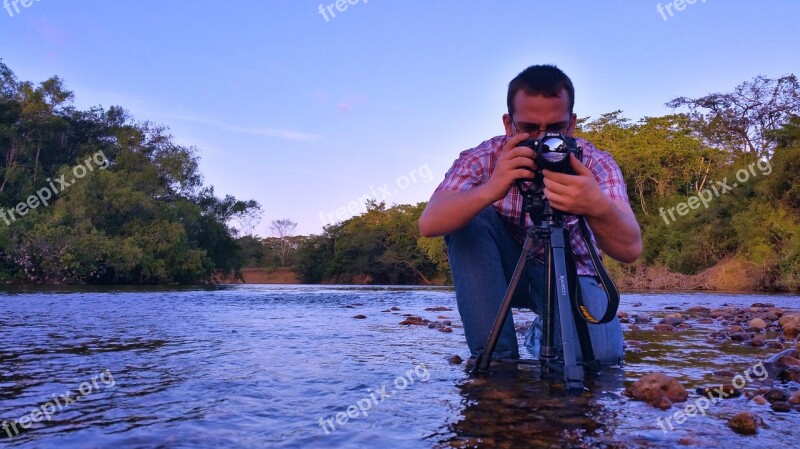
column 605, row 281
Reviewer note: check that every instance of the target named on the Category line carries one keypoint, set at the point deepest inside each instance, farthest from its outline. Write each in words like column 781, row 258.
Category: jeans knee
column 485, row 222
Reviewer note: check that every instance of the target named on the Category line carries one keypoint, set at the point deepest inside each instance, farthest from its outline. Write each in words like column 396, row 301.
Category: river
column 273, row 366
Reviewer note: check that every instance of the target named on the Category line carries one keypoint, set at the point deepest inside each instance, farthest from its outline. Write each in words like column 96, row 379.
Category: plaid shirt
column 474, row 167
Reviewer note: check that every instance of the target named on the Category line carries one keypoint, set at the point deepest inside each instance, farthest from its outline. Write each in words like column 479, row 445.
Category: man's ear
column 507, row 125
column 573, row 122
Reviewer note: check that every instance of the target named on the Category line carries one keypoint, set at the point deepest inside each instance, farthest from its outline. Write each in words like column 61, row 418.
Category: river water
column 273, row 366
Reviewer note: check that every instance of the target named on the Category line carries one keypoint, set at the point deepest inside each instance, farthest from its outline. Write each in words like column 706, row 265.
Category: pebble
column 455, row 360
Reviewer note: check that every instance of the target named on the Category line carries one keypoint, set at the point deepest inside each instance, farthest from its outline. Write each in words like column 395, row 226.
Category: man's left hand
column 577, row 194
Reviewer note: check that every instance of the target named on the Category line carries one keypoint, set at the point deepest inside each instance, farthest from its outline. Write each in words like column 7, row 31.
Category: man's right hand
column 513, row 163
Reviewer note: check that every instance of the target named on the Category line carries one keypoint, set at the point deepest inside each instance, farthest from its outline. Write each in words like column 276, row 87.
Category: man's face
column 534, row 114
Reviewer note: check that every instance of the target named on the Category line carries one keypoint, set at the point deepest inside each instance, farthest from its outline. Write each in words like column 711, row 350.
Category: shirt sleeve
column 467, row 172
column 608, row 176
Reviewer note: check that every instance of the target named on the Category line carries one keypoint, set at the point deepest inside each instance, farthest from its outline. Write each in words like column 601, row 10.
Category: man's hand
column 513, row 163
column 577, row 194
column 612, row 221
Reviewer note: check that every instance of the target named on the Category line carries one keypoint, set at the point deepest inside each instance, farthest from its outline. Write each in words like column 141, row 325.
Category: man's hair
column 545, row 80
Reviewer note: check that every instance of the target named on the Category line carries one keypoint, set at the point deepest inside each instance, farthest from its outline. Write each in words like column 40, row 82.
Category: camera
column 553, row 150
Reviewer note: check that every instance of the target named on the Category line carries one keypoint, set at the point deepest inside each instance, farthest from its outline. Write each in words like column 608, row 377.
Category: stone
column 654, row 388
column 439, row 309
column 455, row 360
column 776, row 395
column 360, row 317
column 745, row 423
column 758, row 399
column 664, row 328
column 757, row 323
column 781, row 407
column 791, row 374
column 412, row 320
column 699, row 310
column 787, row 360
column 673, row 319
column 741, row 336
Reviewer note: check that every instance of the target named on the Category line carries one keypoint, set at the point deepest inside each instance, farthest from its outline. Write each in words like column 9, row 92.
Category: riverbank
column 730, row 275
column 261, row 276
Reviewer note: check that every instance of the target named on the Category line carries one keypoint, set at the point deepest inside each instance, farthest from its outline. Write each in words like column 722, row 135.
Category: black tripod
column 561, row 281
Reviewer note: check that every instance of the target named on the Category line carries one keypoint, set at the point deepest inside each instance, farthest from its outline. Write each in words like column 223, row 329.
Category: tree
column 283, row 229
column 744, row 121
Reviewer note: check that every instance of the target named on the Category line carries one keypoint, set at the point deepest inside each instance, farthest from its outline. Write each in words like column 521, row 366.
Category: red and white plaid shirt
column 474, row 167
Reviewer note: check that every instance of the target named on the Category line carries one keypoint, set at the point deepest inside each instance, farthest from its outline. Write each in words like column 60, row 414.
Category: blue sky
column 309, row 116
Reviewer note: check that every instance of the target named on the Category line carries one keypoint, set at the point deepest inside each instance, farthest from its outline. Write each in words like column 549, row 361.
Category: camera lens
column 554, row 150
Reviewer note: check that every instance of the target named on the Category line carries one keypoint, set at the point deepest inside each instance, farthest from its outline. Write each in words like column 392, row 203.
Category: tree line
column 95, row 197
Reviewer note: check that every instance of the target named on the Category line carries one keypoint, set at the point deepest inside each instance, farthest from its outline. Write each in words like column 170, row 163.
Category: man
column 477, row 208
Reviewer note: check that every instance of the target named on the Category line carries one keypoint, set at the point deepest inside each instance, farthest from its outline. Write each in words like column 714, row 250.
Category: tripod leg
column 547, row 354
column 485, row 356
column 573, row 373
column 584, row 338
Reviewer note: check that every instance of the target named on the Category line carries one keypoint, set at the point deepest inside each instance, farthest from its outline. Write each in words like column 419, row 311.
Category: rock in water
column 745, row 423
column 658, row 390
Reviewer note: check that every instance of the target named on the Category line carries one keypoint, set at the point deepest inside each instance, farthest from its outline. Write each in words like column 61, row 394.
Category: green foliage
column 381, row 246
column 135, row 210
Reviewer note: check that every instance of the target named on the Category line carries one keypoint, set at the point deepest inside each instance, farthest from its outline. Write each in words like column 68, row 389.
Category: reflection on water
column 257, row 366
column 515, row 408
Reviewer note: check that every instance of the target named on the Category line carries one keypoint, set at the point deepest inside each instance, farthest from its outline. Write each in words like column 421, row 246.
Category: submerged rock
column 776, row 395
column 439, row 309
column 757, row 323
column 455, row 360
column 658, row 390
column 781, row 407
column 412, row 320
column 745, row 423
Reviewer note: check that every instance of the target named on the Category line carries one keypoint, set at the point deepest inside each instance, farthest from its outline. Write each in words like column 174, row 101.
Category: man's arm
column 449, row 211
column 612, row 221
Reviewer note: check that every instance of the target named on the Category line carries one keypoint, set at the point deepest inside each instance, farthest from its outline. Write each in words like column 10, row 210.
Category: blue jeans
column 482, row 259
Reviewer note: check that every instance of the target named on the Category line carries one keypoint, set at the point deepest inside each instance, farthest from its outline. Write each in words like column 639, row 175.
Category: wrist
column 605, row 209
column 484, row 195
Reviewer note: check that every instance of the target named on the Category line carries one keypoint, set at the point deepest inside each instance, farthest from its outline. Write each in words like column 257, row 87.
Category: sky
column 310, row 108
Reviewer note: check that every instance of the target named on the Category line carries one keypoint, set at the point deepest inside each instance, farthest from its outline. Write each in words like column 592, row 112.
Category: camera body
column 553, row 150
